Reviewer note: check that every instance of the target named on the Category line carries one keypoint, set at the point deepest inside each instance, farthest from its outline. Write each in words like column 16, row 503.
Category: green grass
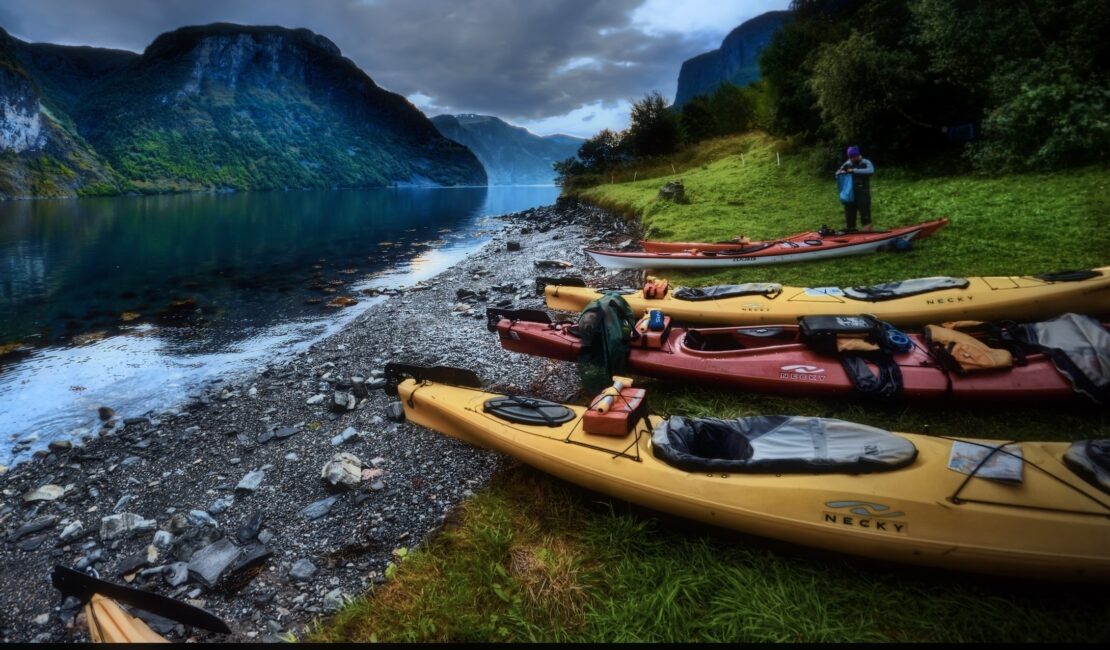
column 1016, row 224
column 535, row 559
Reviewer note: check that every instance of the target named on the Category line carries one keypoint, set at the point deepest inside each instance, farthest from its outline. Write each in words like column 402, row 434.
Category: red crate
column 621, row 417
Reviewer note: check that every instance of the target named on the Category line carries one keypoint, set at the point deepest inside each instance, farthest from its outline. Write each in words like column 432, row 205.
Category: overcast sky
column 569, row 66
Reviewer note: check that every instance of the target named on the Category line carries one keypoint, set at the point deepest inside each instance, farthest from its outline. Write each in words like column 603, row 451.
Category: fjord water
column 134, row 302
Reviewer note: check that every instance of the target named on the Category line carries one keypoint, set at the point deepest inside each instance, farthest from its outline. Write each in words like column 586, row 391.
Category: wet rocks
column 341, row 402
column 42, row 523
column 74, row 530
column 48, row 492
column 249, row 530
column 345, row 436
column 342, row 472
column 176, row 573
column 512, row 246
column 210, row 562
column 302, row 570
column 187, row 457
column 318, row 509
column 251, row 481
column 395, row 411
column 123, row 525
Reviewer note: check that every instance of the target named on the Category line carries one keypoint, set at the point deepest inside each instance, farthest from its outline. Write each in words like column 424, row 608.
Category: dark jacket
column 861, row 175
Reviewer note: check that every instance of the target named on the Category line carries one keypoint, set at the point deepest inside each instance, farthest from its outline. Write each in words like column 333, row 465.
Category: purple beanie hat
column 853, row 151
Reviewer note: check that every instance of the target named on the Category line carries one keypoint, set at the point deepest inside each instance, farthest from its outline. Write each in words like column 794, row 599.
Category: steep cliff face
column 511, row 155
column 229, row 107
column 41, row 153
column 736, row 61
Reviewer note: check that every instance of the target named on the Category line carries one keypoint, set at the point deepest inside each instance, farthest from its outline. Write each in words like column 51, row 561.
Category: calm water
column 133, row 302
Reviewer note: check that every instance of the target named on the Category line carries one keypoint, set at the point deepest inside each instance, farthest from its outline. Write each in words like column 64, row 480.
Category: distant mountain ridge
column 210, row 107
column 511, row 155
column 736, row 61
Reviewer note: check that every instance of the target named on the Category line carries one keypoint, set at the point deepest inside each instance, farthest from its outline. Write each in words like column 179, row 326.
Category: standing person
column 861, row 170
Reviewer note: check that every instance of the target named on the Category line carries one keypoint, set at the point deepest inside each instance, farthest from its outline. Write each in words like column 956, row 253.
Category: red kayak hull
column 771, row 360
column 650, row 246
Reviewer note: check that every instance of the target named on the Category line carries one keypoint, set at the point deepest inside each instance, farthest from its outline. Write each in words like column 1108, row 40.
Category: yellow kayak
column 1051, row 524
column 910, row 303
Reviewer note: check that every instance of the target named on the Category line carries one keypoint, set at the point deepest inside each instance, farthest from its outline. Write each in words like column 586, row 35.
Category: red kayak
column 740, row 243
column 797, row 248
column 775, row 360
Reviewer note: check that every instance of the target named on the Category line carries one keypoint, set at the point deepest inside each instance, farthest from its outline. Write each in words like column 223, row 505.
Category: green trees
column 1027, row 82
column 653, row 128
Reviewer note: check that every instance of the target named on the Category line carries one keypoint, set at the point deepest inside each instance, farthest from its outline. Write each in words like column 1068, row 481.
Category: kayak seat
column 779, row 444
column 534, row 411
column 711, row 342
column 1090, row 459
column 904, row 288
column 769, row 289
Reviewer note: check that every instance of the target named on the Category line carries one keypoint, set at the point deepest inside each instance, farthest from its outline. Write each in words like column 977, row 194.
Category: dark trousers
column 862, row 204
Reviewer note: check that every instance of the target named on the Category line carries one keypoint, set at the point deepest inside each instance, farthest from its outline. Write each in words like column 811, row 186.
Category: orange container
column 620, row 418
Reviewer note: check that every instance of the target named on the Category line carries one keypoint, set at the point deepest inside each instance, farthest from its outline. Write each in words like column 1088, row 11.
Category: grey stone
column 221, row 505
column 201, row 518
column 316, row 399
column 47, row 492
column 42, row 523
column 72, row 531
column 133, row 563
column 333, row 600
column 249, row 530
column 284, row 432
column 125, row 524
column 163, row 539
column 512, row 246
column 346, row 435
column 395, row 411
column 176, row 574
column 210, row 562
column 250, row 556
column 32, row 543
column 343, row 471
column 341, row 402
column 97, row 555
column 251, row 481
column 302, row 570
column 60, row 445
column 121, row 505
column 318, row 509
column 265, row 536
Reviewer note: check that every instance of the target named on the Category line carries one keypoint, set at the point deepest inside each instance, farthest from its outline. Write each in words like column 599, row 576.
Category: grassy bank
column 1016, row 224
column 533, row 559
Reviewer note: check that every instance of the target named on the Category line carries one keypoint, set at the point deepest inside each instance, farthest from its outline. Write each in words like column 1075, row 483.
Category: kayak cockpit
column 780, row 444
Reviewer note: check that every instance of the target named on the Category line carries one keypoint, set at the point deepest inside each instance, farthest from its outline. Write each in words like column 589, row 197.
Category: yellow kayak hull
column 1042, row 528
column 1016, row 297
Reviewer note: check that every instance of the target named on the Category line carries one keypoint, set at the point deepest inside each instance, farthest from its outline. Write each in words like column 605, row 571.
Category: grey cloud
column 500, row 57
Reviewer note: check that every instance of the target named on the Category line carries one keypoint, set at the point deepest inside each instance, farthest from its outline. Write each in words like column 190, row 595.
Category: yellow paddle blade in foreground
column 108, row 623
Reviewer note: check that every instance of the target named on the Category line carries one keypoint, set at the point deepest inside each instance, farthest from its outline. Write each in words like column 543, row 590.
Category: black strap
column 82, row 586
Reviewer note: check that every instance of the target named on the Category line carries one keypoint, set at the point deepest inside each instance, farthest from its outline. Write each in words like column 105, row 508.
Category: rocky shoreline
column 275, row 495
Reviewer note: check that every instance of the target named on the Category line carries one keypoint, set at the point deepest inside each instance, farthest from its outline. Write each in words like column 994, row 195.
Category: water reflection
column 168, row 291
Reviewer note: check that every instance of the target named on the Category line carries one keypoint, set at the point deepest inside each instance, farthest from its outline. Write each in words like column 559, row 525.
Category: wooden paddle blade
column 108, row 623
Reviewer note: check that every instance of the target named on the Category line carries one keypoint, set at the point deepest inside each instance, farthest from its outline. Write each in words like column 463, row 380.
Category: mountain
column 736, row 61
column 41, row 151
column 213, row 107
column 511, row 155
